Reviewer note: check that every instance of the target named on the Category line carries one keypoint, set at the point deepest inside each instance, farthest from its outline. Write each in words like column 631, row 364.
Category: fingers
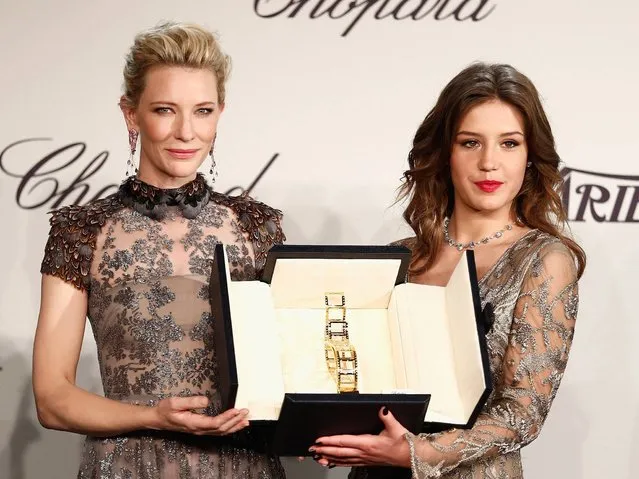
column 338, row 452
column 387, row 418
column 347, row 464
column 336, row 462
column 337, row 455
column 226, row 423
column 180, row 414
column 384, row 413
column 230, row 414
column 392, row 427
column 239, row 421
column 356, row 442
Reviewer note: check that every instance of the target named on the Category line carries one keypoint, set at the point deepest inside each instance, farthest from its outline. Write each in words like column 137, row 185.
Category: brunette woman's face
column 488, row 157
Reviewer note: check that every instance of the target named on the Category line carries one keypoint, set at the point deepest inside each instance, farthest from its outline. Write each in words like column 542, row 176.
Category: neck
column 155, row 177
column 469, row 225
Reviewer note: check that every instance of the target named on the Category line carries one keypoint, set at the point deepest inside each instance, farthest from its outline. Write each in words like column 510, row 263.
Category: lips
column 181, row 154
column 488, row 186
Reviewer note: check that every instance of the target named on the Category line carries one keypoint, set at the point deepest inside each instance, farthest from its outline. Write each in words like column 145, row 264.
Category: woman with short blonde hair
column 137, row 264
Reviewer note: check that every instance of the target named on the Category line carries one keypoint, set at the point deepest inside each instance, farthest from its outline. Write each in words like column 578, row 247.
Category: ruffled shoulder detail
column 72, row 239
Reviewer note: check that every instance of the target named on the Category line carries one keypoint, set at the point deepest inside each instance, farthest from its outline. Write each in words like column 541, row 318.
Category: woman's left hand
column 389, row 448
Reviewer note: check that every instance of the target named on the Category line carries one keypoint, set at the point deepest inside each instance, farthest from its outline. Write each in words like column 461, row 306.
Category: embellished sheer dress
column 143, row 255
column 533, row 291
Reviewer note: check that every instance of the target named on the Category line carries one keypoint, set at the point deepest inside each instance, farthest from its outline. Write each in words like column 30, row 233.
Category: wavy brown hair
column 427, row 183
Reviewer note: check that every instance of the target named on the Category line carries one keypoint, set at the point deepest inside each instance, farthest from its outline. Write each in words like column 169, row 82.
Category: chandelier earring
column 131, row 169
column 213, row 170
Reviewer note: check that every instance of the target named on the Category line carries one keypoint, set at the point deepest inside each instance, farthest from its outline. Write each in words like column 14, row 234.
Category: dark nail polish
column 316, row 457
column 317, row 444
column 331, row 466
column 385, row 411
column 311, row 449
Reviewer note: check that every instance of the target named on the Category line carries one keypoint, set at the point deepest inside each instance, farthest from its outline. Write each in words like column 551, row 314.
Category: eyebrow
column 175, row 104
column 471, row 133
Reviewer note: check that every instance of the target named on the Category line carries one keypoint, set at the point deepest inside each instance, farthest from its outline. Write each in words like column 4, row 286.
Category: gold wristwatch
column 341, row 357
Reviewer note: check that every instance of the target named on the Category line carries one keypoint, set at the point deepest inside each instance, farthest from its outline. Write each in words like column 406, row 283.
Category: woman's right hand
column 176, row 414
column 63, row 406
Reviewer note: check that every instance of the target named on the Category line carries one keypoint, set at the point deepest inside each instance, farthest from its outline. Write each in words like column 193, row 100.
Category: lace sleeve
column 74, row 229
column 68, row 252
column 261, row 223
column 533, row 365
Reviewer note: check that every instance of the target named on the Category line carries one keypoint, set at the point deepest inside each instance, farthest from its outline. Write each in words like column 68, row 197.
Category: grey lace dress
column 143, row 255
column 533, row 291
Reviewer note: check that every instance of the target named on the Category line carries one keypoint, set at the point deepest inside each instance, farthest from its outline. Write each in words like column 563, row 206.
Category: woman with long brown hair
column 484, row 175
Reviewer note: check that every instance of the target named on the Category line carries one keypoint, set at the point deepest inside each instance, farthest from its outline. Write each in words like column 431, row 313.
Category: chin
column 489, row 205
column 181, row 169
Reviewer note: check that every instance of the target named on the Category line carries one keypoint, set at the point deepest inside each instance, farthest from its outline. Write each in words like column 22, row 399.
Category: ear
column 221, row 107
column 129, row 113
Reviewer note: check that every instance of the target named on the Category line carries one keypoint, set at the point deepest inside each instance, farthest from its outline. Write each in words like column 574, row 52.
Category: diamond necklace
column 472, row 244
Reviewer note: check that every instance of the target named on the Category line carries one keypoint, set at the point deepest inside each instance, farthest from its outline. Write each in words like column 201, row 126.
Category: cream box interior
column 409, row 338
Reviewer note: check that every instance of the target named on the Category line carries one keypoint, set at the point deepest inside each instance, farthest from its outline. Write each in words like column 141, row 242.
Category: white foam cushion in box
column 410, row 337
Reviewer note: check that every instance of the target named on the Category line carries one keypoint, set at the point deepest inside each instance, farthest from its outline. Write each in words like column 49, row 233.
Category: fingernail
column 331, row 466
column 385, row 411
column 316, row 456
column 311, row 449
column 317, row 443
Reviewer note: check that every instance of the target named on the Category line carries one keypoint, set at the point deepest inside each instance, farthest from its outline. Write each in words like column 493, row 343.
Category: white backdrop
column 340, row 112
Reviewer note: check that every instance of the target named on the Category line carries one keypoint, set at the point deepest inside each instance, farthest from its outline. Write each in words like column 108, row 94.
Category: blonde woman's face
column 488, row 157
column 176, row 118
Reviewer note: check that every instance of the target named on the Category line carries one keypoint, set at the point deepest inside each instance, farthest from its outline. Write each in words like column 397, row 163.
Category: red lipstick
column 488, row 186
column 182, row 154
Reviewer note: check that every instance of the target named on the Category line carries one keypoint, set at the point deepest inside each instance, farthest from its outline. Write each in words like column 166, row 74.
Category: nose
column 487, row 159
column 184, row 128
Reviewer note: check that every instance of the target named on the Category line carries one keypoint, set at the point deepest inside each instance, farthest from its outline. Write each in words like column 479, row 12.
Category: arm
column 60, row 403
column 532, row 368
column 64, row 406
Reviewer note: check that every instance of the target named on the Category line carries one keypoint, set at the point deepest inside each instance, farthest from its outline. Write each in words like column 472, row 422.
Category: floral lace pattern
column 533, row 291
column 144, row 256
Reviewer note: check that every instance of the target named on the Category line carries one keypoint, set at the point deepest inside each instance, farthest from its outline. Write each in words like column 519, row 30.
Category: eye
column 470, row 143
column 162, row 110
column 205, row 111
column 509, row 144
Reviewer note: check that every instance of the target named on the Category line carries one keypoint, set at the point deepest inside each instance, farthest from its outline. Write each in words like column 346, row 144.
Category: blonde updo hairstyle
column 173, row 44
